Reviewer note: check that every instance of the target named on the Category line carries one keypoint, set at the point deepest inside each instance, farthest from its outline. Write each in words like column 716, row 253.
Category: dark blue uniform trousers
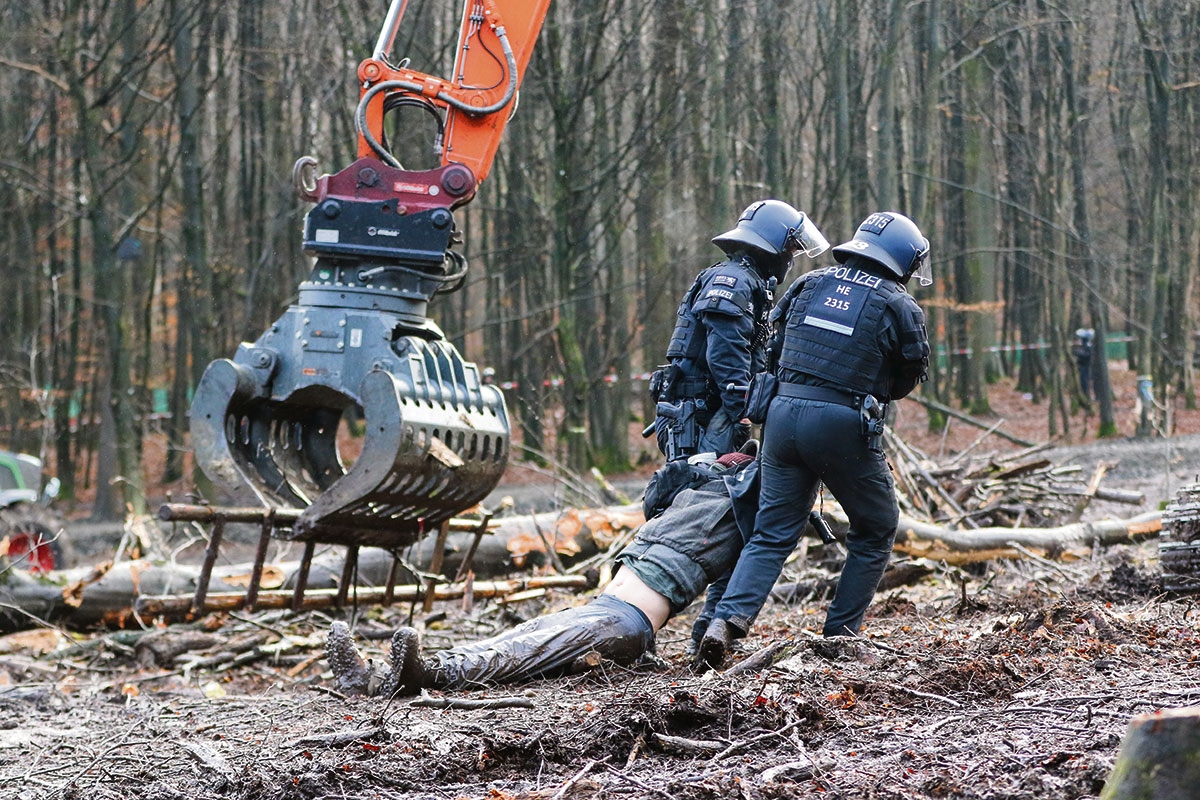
column 806, row 442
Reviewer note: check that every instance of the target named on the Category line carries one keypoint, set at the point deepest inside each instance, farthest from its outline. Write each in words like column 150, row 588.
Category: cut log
column 924, row 540
column 113, row 595
column 1159, row 757
column 108, row 594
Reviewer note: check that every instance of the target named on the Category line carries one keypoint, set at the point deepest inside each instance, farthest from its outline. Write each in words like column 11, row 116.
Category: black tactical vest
column 721, row 287
column 832, row 330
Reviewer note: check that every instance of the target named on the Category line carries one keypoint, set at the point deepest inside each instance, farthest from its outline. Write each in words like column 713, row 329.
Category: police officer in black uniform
column 722, row 329
column 1082, row 351
column 852, row 341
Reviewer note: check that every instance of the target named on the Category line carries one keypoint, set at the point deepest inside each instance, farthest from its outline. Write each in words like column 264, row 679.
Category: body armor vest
column 832, row 330
column 721, row 287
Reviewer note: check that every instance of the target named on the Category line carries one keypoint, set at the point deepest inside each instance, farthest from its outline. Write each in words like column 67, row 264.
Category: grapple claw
column 265, row 424
column 430, row 451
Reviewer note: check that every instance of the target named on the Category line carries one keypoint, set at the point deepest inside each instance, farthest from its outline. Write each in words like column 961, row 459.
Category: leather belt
column 823, row 394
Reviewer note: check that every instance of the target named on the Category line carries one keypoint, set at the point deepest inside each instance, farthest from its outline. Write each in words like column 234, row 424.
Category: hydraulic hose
column 360, row 114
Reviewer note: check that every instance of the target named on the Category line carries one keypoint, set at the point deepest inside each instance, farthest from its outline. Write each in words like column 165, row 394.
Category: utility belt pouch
column 763, row 387
column 658, row 383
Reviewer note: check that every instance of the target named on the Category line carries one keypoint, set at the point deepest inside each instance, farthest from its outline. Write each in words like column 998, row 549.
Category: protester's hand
column 741, row 433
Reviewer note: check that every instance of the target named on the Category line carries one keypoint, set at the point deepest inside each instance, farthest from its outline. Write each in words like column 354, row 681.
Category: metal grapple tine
column 427, row 455
column 220, row 436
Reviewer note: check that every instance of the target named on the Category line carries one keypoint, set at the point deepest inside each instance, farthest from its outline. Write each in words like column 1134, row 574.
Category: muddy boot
column 408, row 670
column 351, row 675
column 715, row 644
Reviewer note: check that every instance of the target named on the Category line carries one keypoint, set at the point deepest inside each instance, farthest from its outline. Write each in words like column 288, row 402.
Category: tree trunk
column 194, row 231
column 1158, row 757
column 1027, row 287
column 954, row 243
column 980, row 268
column 1078, row 112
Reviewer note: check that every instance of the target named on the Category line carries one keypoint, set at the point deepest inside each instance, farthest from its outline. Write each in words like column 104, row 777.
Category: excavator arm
column 495, row 41
column 265, row 423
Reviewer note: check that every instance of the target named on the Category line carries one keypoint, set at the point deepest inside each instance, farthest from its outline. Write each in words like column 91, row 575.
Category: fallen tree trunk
column 921, row 539
column 519, row 542
column 926, row 540
column 109, row 594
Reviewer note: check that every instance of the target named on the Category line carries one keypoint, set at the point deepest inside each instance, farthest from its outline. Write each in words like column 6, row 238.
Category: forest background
column 148, row 222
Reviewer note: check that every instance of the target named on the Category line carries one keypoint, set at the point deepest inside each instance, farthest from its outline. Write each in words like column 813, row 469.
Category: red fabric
column 730, row 460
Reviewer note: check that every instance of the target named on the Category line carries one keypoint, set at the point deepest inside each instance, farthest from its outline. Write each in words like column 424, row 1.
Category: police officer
column 722, row 328
column 1082, row 351
column 851, row 341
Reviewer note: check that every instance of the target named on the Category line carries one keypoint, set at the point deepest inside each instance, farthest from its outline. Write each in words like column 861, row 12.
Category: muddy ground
column 1008, row 680
column 1014, row 680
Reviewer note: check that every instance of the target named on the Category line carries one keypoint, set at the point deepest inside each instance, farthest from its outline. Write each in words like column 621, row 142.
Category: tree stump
column 1159, row 758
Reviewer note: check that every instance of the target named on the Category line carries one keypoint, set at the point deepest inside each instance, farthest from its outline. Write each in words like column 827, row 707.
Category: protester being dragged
column 699, row 513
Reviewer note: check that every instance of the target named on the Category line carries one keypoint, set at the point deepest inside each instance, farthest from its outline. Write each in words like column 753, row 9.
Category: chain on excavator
column 265, row 423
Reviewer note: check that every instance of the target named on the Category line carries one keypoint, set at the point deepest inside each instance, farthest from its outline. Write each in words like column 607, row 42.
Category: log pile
column 1179, row 547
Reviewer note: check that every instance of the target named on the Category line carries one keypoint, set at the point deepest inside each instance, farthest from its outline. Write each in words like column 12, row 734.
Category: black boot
column 714, row 646
column 351, row 675
column 408, row 670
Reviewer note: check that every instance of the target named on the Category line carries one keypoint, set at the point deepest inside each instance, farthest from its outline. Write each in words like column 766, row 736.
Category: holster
column 871, row 414
column 682, row 435
column 763, row 387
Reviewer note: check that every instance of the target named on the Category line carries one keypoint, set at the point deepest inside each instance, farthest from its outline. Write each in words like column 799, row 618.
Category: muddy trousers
column 545, row 646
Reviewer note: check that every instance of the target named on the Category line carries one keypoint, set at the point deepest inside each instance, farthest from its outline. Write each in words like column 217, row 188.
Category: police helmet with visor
column 777, row 229
column 893, row 241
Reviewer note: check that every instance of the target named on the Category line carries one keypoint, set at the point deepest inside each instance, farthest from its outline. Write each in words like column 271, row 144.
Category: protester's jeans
column 545, row 646
column 693, row 543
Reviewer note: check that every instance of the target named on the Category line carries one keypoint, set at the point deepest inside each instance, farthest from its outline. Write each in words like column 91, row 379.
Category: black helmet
column 775, row 228
column 893, row 240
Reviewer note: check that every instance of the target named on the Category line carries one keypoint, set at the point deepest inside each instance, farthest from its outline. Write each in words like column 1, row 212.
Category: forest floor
column 1007, row 680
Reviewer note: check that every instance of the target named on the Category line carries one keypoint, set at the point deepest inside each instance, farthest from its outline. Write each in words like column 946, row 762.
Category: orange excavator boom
column 495, row 41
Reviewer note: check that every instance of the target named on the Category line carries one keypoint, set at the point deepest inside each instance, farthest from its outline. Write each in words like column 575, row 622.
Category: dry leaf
column 39, row 641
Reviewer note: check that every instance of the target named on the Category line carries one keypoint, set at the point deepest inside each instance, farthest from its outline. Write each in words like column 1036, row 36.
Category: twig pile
column 1021, row 489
